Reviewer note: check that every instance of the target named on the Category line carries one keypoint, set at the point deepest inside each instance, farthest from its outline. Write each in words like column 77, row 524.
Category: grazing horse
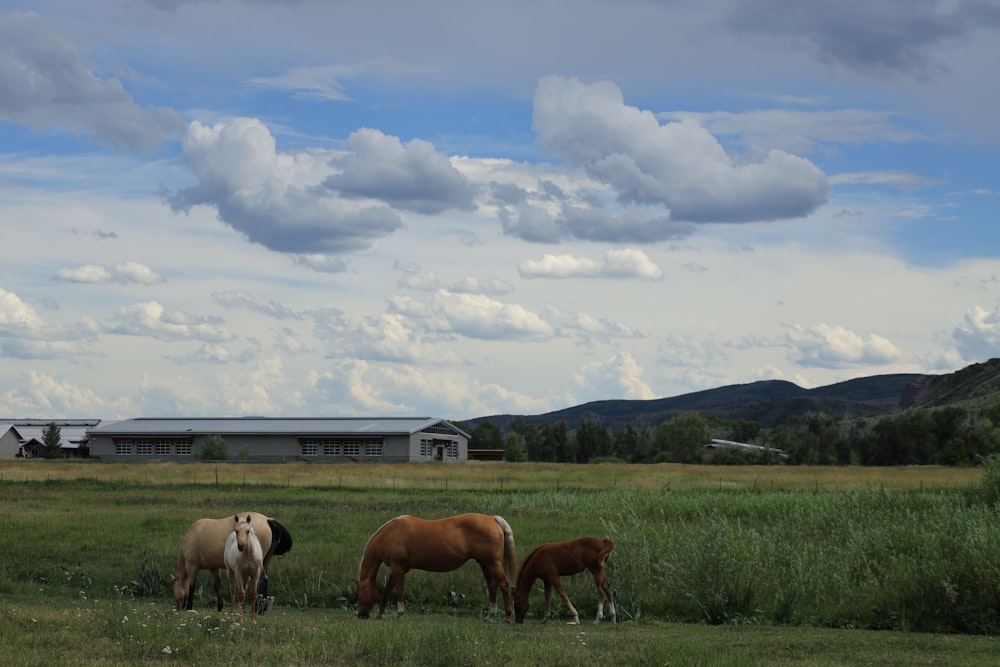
column 440, row 545
column 551, row 561
column 204, row 547
column 245, row 564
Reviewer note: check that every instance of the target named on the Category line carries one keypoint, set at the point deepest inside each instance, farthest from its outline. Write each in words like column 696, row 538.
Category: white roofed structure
column 23, row 437
column 330, row 439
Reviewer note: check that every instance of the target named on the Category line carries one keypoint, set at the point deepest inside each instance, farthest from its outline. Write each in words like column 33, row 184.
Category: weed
column 148, row 582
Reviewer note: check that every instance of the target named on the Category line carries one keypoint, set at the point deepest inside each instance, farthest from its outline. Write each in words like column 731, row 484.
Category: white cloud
column 127, row 272
column 46, row 83
column 417, row 279
column 978, row 337
column 828, row 346
column 321, row 83
column 275, row 198
column 487, row 286
column 479, row 316
column 619, row 375
column 238, row 299
column 16, row 315
column 678, row 165
column 359, row 387
column 903, row 180
column 795, row 130
column 151, row 319
column 620, row 263
column 411, row 176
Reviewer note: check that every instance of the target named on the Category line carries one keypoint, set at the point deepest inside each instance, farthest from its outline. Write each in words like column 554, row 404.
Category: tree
column 213, row 449
column 592, row 441
column 51, row 441
column 624, row 442
column 682, row 439
column 486, row 436
column 515, row 451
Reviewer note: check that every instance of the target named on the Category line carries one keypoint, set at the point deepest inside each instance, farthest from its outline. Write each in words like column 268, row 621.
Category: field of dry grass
column 476, row 476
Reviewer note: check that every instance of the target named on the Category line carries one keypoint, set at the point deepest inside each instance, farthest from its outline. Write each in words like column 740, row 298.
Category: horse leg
column 604, row 592
column 565, row 598
column 508, row 608
column 548, row 600
column 243, row 596
column 495, row 578
column 191, row 571
column 390, row 584
column 262, row 590
column 254, row 580
column 217, row 585
column 232, row 591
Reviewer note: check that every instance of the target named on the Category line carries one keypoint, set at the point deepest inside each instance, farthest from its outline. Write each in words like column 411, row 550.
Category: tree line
column 949, row 435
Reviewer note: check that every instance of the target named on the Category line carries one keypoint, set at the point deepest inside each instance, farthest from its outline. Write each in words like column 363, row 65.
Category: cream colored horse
column 203, row 548
column 245, row 564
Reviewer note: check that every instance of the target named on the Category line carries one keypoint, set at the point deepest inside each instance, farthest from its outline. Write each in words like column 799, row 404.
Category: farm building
column 24, row 437
column 383, row 439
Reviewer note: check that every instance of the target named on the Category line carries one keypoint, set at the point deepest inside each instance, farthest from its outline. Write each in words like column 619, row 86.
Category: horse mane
column 373, row 535
column 281, row 539
column 523, row 572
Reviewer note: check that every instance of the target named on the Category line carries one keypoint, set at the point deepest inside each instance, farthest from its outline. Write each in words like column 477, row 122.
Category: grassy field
column 494, row 476
column 713, row 565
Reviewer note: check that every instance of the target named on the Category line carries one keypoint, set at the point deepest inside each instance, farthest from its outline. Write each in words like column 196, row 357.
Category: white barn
column 381, row 439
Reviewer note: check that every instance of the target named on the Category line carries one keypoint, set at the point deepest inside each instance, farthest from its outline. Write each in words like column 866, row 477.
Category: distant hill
column 773, row 402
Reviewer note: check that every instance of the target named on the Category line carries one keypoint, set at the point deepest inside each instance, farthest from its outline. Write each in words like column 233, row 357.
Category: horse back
column 436, row 545
column 204, row 543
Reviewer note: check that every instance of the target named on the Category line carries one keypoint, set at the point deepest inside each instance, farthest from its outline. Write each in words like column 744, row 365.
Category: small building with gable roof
column 271, row 439
column 24, row 437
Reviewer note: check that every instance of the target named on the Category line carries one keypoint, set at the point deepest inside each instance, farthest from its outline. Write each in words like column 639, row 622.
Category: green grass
column 119, row 631
column 798, row 574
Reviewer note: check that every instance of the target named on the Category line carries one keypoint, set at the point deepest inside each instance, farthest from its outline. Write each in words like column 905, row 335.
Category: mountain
column 774, row 402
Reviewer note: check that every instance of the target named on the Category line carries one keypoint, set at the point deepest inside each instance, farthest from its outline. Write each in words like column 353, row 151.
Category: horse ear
column 236, row 518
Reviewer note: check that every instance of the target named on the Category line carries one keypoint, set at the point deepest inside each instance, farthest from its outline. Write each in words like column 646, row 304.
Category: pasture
column 712, row 565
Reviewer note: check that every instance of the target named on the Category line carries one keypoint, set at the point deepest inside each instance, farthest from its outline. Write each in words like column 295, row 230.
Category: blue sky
column 308, row 208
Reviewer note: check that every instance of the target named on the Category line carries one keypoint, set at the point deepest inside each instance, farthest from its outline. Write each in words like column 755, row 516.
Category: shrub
column 213, row 449
column 991, row 479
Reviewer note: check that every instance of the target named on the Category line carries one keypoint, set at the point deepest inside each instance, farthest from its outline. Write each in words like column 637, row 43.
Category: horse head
column 180, row 593
column 367, row 595
column 243, row 529
column 520, row 605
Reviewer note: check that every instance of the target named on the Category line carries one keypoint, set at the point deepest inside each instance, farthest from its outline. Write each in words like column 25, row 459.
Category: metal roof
column 72, row 432
column 273, row 426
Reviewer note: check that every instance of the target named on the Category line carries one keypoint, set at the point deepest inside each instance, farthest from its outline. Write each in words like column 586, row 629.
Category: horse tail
column 606, row 550
column 281, row 539
column 509, row 551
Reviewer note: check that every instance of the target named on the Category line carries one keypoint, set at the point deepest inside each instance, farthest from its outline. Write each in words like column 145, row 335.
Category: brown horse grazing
column 551, row 561
column 204, row 547
column 441, row 545
column 245, row 565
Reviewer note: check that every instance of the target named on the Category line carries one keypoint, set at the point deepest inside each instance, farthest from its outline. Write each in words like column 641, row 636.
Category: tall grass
column 915, row 561
column 880, row 556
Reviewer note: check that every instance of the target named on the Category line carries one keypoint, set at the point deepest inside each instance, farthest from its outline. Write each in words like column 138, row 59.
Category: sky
column 457, row 209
